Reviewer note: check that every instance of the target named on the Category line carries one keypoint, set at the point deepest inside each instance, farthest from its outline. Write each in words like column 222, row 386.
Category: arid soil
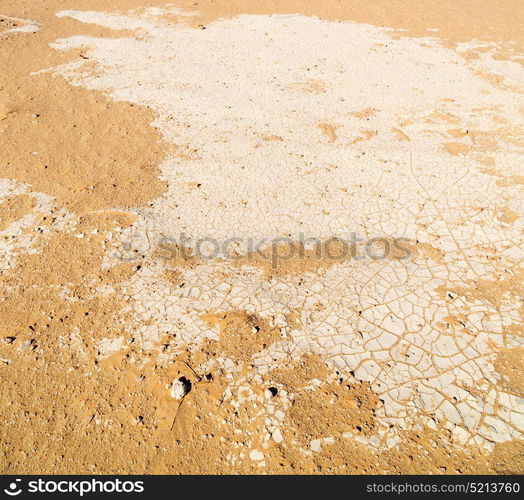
column 131, row 129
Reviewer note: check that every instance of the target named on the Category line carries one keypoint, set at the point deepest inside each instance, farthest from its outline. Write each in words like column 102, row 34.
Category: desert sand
column 179, row 183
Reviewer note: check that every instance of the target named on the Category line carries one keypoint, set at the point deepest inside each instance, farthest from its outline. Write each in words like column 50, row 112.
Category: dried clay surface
column 178, row 186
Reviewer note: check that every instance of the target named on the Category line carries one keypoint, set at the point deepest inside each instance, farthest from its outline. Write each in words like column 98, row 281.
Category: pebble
column 256, row 455
column 180, row 387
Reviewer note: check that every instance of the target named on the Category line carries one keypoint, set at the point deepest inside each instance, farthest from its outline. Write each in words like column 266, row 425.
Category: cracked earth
column 130, row 132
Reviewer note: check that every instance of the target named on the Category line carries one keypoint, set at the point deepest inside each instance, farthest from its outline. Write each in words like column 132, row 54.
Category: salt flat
column 320, row 268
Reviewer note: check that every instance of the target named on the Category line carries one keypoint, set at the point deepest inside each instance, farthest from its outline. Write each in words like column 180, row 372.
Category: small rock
column 27, row 345
column 180, row 387
column 271, row 392
column 256, row 455
column 316, row 445
column 277, row 436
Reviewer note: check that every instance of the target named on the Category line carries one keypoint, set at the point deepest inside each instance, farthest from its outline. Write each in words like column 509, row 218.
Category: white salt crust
column 22, row 25
column 224, row 94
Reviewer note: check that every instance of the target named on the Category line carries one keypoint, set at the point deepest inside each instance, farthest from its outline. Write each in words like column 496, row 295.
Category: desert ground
column 272, row 236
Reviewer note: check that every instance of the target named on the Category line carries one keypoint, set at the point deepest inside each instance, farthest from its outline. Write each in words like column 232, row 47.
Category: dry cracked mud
column 272, row 236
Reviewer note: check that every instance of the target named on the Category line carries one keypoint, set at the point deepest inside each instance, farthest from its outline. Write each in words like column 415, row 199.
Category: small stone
column 180, row 387
column 316, row 445
column 280, row 414
column 256, row 455
column 271, row 392
column 277, row 436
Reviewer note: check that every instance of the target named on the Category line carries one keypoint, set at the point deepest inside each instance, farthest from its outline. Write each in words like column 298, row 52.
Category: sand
column 179, row 186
